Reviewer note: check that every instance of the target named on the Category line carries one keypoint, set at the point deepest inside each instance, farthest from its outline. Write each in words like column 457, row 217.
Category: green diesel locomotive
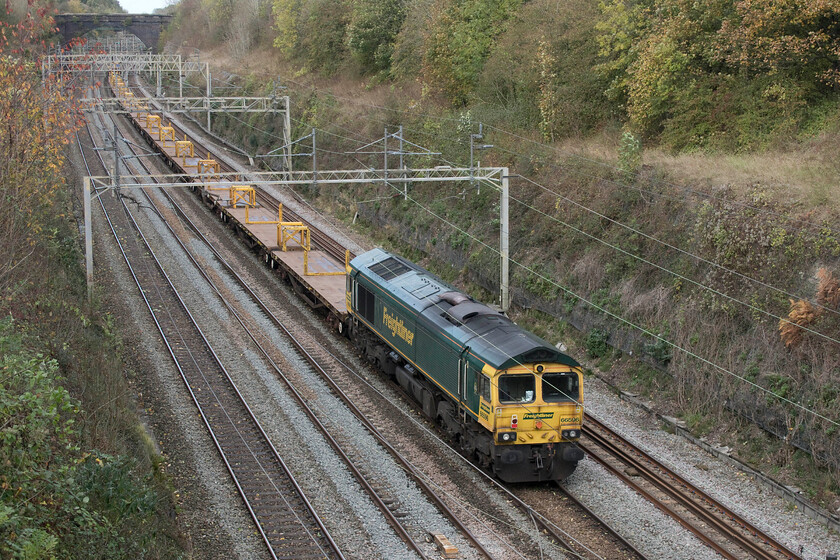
column 511, row 400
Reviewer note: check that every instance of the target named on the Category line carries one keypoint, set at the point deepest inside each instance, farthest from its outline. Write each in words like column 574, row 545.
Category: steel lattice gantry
column 493, row 176
column 189, row 104
column 122, row 62
column 496, row 177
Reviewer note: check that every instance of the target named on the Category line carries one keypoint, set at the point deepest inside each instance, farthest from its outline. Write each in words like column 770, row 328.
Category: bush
column 58, row 501
column 629, row 154
column 596, row 343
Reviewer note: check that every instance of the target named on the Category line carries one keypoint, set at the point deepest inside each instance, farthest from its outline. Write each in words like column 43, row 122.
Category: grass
column 803, row 173
column 699, row 424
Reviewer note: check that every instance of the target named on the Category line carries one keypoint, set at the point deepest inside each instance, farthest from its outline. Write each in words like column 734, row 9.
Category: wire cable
column 627, row 322
column 356, row 102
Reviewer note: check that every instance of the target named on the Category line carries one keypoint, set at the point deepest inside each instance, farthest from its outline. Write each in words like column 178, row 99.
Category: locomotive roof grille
column 389, row 269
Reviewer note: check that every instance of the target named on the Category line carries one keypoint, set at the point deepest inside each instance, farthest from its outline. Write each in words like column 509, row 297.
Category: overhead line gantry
column 127, row 103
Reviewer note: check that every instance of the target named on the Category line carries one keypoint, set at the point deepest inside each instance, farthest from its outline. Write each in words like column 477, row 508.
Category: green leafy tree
column 623, row 29
column 461, row 41
column 286, row 17
column 373, row 29
column 660, row 75
column 728, row 72
column 410, row 42
column 323, row 33
column 220, row 13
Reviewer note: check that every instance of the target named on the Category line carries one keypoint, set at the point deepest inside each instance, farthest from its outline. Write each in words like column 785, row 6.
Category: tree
column 460, row 42
column 793, row 37
column 373, row 29
column 624, row 28
column 286, row 15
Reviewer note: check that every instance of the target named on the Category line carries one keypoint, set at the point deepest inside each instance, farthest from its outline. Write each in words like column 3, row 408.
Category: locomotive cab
column 534, row 413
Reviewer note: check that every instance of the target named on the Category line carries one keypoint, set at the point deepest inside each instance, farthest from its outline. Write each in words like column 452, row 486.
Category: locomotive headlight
column 507, row 437
column 571, row 434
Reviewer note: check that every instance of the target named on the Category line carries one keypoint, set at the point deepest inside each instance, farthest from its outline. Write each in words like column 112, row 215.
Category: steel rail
column 703, row 507
column 230, row 462
column 535, row 516
column 319, row 368
column 378, row 500
column 592, row 515
column 337, row 251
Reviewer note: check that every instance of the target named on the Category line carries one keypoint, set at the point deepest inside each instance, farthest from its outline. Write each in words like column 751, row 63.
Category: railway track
column 331, row 369
column 720, row 528
column 317, row 355
column 730, row 535
column 285, row 519
column 374, row 486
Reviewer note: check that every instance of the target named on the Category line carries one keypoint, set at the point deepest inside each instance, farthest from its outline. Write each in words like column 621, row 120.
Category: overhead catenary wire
column 463, row 505
column 676, row 248
column 629, row 323
column 687, row 253
column 356, row 102
column 507, row 544
column 699, row 258
column 664, row 269
column 462, row 230
column 646, row 261
column 138, row 241
column 781, row 319
column 695, row 192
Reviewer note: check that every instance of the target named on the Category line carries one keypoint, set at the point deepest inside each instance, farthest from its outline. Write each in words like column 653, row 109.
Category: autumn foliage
column 828, row 290
column 34, row 131
column 698, row 74
column 67, row 488
column 721, row 74
column 803, row 313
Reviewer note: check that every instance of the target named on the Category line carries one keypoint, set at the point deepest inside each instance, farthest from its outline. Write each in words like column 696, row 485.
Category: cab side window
column 482, row 386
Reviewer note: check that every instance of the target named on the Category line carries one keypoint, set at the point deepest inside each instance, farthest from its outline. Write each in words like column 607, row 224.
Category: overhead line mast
column 127, row 63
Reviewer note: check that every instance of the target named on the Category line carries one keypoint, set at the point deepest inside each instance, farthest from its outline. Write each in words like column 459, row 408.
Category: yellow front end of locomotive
column 531, row 403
